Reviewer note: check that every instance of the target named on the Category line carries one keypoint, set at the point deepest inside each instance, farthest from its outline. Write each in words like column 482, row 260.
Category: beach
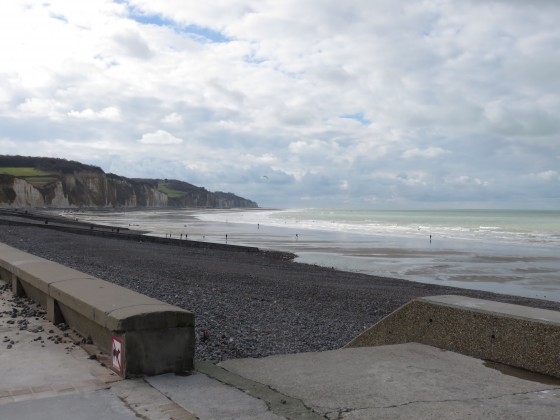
column 502, row 251
column 247, row 304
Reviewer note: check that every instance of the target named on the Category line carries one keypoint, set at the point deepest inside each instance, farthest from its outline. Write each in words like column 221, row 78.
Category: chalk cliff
column 65, row 184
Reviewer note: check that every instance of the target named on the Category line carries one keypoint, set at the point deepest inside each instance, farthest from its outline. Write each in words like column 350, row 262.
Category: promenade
column 47, row 372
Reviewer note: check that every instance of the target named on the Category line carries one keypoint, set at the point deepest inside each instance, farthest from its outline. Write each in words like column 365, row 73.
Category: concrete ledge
column 154, row 337
column 514, row 335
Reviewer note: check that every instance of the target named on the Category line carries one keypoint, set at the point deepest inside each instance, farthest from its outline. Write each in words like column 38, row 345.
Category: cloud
column 465, row 180
column 430, row 152
column 109, row 113
column 361, row 103
column 44, row 107
column 546, row 176
column 172, row 118
column 131, row 43
column 160, row 137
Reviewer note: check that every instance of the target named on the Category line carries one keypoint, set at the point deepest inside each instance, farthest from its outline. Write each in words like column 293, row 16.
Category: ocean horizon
column 503, row 251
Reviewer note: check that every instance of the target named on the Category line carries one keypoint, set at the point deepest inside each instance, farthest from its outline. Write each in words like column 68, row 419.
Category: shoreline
column 524, row 270
column 246, row 304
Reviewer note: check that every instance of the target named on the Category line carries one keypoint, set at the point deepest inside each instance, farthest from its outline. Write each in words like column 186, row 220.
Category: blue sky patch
column 59, row 17
column 357, row 117
column 199, row 33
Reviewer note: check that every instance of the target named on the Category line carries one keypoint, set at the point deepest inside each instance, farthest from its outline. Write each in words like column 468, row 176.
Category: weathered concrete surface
column 156, row 337
column 278, row 403
column 36, row 360
column 405, row 381
column 45, row 375
column 84, row 406
column 402, row 381
column 207, row 398
column 148, row 402
column 510, row 334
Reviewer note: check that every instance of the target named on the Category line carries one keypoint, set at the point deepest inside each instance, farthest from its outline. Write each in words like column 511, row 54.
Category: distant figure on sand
column 297, row 237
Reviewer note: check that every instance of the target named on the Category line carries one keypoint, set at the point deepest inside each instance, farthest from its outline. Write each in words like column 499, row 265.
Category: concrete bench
column 514, row 335
column 144, row 335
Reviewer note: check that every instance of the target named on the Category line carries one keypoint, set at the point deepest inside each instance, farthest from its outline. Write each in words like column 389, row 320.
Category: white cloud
column 172, row 118
column 430, row 152
column 160, row 137
column 547, row 176
column 465, row 180
column 42, row 107
column 109, row 113
column 132, row 44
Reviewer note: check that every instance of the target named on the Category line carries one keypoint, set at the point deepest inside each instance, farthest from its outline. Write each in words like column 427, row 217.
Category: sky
column 295, row 103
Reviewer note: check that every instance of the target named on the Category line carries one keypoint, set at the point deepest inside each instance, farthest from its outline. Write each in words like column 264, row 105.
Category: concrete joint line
column 278, row 403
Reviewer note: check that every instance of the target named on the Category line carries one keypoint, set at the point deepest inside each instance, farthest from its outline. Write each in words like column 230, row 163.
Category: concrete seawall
column 514, row 335
column 144, row 335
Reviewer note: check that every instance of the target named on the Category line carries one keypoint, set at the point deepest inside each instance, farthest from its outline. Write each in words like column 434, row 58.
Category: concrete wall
column 514, row 335
column 156, row 337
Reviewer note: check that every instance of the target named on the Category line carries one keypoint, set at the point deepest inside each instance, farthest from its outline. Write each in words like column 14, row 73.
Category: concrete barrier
column 145, row 336
column 514, row 335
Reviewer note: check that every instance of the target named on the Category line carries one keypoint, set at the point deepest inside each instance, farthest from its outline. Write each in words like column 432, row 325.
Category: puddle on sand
column 522, row 373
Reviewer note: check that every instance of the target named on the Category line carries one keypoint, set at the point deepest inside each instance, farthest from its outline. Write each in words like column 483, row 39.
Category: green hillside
column 22, row 172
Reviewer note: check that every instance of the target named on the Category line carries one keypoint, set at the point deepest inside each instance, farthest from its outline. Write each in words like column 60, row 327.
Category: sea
column 504, row 251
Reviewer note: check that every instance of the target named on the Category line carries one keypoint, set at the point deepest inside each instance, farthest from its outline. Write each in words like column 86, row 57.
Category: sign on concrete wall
column 117, row 354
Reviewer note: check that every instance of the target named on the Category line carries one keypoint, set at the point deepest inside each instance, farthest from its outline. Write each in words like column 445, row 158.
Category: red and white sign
column 117, row 354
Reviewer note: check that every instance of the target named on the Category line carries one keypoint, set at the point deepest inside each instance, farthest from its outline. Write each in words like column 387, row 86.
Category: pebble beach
column 247, row 304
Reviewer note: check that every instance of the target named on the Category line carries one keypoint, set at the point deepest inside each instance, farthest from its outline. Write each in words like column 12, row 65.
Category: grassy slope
column 22, row 172
column 170, row 193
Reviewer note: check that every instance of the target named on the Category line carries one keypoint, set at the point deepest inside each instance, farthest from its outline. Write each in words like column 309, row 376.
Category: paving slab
column 101, row 404
column 147, row 402
column 36, row 354
column 533, row 406
column 402, row 381
column 45, row 374
column 207, row 398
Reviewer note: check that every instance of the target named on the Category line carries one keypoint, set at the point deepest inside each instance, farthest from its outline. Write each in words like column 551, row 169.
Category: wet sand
column 247, row 304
